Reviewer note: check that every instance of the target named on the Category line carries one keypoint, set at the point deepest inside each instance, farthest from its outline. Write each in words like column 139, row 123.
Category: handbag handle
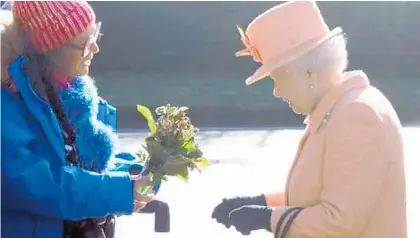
column 283, row 217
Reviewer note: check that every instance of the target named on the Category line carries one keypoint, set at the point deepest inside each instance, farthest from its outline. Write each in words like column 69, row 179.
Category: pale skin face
column 303, row 92
column 72, row 59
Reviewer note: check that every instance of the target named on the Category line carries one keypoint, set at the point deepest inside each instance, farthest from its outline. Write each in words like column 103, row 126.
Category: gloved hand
column 135, row 168
column 250, row 217
column 222, row 210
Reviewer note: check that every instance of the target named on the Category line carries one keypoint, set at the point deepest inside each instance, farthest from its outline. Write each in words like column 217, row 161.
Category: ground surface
column 242, row 162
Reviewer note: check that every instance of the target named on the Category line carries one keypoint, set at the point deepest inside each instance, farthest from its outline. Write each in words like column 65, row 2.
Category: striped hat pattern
column 51, row 24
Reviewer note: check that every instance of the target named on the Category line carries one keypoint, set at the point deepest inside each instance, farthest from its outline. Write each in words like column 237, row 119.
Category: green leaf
column 143, row 156
column 184, row 175
column 202, row 163
column 149, row 118
column 160, row 110
column 171, row 149
column 171, row 110
column 189, row 146
column 195, row 154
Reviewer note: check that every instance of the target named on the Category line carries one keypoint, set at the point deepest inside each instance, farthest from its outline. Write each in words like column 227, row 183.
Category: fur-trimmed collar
column 95, row 142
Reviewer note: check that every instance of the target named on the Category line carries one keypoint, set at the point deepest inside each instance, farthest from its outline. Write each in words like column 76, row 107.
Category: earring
column 309, row 73
column 311, row 86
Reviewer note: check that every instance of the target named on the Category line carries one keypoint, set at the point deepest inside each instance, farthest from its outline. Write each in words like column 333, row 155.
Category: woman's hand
column 222, row 210
column 141, row 200
column 250, row 217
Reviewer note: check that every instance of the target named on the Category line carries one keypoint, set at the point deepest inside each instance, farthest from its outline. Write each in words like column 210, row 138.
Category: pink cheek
column 63, row 84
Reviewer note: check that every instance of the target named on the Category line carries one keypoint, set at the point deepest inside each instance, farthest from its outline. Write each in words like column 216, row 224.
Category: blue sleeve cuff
column 121, row 200
column 116, row 194
column 125, row 163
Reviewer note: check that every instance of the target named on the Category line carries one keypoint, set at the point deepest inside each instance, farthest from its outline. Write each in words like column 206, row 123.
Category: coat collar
column 322, row 113
column 37, row 106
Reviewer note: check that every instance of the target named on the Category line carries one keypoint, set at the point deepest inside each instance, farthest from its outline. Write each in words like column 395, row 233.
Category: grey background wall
column 155, row 53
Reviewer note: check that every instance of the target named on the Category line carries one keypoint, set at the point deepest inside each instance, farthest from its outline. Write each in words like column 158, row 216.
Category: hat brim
column 268, row 67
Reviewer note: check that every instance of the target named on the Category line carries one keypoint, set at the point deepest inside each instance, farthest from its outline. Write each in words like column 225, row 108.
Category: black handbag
column 90, row 228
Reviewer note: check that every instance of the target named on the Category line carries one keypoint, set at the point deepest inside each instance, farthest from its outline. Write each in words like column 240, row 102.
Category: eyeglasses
column 88, row 43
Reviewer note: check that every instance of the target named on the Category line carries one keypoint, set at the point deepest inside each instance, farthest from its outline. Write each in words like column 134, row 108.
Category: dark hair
column 38, row 69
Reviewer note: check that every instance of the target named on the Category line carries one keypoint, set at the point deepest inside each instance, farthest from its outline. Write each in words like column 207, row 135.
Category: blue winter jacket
column 38, row 188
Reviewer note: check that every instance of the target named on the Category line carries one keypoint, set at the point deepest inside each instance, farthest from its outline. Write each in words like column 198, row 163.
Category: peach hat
column 282, row 34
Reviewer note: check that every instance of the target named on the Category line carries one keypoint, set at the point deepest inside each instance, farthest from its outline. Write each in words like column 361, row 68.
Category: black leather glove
column 250, row 218
column 222, row 210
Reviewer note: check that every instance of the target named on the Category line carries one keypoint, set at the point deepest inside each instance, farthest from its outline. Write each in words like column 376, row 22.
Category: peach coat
column 348, row 173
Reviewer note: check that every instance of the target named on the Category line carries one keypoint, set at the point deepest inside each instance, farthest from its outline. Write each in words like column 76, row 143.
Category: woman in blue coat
column 60, row 170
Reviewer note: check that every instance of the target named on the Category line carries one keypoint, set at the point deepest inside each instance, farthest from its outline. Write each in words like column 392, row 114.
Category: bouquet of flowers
column 170, row 149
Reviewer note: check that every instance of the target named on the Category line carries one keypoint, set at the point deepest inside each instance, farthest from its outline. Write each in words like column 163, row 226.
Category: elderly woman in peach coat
column 347, row 180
